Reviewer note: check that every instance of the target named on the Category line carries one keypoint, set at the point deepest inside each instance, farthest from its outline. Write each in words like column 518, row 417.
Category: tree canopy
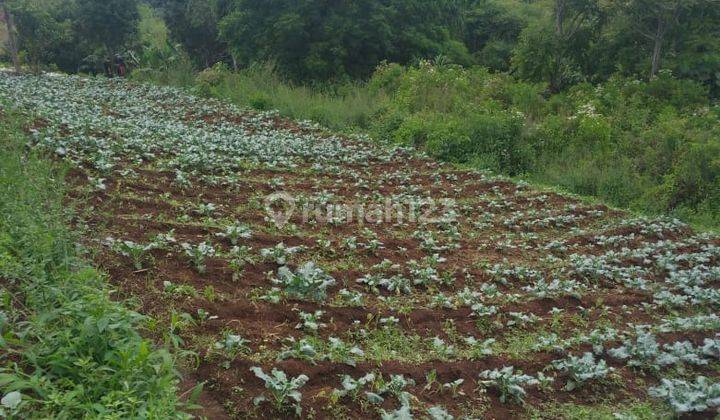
column 319, row 40
column 558, row 42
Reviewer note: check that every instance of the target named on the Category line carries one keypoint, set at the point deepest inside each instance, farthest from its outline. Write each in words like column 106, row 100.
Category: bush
column 387, row 78
column 492, row 141
column 167, row 66
column 452, row 113
column 208, row 80
column 75, row 352
column 652, row 146
column 678, row 93
column 344, row 107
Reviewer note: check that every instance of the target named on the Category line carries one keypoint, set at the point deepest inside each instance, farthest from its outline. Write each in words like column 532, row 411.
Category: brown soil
column 138, row 209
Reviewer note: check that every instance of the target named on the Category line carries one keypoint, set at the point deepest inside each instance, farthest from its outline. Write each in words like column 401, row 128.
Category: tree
column 556, row 51
column 194, row 24
column 672, row 24
column 572, row 15
column 491, row 31
column 332, row 39
column 653, row 19
column 11, row 36
column 109, row 24
column 540, row 57
column 38, row 32
column 696, row 46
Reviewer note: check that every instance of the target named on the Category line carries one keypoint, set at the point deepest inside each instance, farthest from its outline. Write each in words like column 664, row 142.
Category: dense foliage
column 67, row 349
column 321, row 40
column 75, row 35
column 557, row 90
column 651, row 145
column 559, row 42
column 556, row 42
column 610, row 298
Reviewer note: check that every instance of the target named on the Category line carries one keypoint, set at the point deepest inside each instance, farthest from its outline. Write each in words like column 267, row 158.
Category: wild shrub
column 78, row 353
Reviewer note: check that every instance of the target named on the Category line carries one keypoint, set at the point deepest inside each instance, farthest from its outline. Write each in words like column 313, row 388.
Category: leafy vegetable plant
column 199, row 254
column 582, row 369
column 308, row 282
column 236, row 232
column 137, row 252
column 684, row 397
column 284, row 394
column 510, row 384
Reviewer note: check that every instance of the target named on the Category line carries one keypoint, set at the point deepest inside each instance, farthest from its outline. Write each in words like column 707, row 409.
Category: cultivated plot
column 316, row 274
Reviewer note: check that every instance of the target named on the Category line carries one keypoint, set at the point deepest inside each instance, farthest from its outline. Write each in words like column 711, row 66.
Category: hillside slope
column 377, row 278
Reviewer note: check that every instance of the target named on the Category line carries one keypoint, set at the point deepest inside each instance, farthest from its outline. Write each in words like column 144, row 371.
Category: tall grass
column 169, row 69
column 345, row 107
column 639, row 145
column 65, row 346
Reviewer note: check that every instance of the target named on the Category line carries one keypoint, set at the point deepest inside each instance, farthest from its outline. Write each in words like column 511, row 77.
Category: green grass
column 392, row 343
column 629, row 155
column 571, row 411
column 66, row 346
column 348, row 107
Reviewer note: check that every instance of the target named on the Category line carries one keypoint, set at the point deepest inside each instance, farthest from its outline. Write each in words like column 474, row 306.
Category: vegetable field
column 300, row 272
